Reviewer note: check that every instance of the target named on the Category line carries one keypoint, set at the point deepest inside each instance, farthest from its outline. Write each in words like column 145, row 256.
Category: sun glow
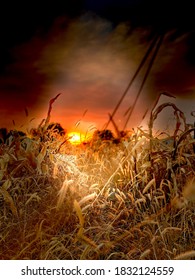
column 75, row 138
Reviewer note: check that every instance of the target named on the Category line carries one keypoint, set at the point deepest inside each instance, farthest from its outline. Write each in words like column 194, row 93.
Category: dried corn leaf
column 9, row 200
column 88, row 241
column 87, row 198
column 1, row 174
column 33, row 196
column 185, row 256
column 147, row 187
column 79, row 213
column 6, row 185
column 145, row 254
column 40, row 158
column 62, row 193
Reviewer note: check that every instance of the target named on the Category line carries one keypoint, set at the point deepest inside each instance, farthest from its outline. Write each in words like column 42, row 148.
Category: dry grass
column 131, row 200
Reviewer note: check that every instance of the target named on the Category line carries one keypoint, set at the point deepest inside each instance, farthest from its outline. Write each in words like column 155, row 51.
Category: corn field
column 129, row 197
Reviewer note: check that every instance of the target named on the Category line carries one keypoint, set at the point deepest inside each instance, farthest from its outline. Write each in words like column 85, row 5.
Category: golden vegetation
column 133, row 198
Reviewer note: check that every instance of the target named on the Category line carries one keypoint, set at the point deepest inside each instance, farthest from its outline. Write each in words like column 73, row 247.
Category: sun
column 75, row 138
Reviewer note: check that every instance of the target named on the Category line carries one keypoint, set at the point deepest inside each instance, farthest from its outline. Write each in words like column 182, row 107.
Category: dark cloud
column 90, row 58
column 171, row 71
column 21, row 84
column 160, row 16
column 20, row 20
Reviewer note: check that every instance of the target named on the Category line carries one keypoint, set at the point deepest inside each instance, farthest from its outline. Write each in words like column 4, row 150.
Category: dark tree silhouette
column 105, row 134
column 56, row 128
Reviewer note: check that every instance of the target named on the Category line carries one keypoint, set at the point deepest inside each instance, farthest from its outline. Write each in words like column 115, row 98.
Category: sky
column 89, row 51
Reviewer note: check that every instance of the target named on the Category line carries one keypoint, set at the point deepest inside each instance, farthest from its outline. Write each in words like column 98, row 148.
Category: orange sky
column 91, row 64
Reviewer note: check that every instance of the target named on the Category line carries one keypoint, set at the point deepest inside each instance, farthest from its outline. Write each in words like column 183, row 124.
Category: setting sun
column 75, row 138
